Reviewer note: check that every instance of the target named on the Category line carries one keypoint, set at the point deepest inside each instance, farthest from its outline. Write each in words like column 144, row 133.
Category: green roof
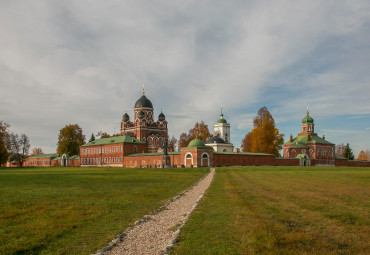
column 113, row 140
column 152, row 154
column 299, row 145
column 221, row 121
column 49, row 155
column 307, row 119
column 304, row 140
column 196, row 143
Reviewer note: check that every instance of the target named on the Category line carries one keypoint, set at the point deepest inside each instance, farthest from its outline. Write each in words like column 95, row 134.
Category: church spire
column 143, row 90
column 307, row 110
column 222, row 115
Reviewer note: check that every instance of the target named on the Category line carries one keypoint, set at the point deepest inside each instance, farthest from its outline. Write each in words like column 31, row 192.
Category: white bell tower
column 222, row 128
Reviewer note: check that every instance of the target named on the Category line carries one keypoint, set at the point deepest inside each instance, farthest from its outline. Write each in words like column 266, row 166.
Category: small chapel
column 307, row 145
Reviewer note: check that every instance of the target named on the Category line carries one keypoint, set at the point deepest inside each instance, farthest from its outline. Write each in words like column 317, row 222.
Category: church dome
column 125, row 117
column 161, row 116
column 307, row 120
column 140, row 114
column 222, row 120
column 143, row 101
column 196, row 143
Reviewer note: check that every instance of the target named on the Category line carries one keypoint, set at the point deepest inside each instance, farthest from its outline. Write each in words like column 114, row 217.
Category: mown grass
column 79, row 210
column 281, row 210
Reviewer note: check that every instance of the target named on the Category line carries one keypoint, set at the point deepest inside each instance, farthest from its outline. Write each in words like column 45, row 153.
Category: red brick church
column 308, row 145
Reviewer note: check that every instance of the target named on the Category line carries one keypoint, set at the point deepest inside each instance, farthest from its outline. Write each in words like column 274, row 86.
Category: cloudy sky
column 84, row 62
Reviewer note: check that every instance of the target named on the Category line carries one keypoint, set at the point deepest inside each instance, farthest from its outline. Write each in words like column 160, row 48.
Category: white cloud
column 84, row 61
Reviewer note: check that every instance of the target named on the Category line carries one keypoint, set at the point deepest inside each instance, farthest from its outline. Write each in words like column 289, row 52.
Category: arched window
column 144, row 139
column 224, row 150
column 155, row 141
column 188, row 156
column 205, row 155
column 149, row 141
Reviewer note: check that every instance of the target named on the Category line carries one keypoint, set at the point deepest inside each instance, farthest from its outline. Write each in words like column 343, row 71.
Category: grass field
column 281, row 210
column 79, row 210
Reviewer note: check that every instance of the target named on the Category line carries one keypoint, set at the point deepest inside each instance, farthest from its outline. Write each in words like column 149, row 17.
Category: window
column 113, row 160
column 120, row 159
column 135, row 148
column 116, row 159
column 149, row 141
column 188, row 156
column 116, row 148
column 110, row 160
column 155, row 141
column 99, row 150
column 120, row 149
column 110, row 149
column 113, row 149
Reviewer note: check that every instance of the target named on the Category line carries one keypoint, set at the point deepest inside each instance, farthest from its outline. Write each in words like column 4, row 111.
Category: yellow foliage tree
column 264, row 137
column 363, row 155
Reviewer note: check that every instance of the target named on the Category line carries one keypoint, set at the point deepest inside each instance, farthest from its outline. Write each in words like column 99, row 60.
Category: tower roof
column 143, row 101
column 221, row 120
column 307, row 119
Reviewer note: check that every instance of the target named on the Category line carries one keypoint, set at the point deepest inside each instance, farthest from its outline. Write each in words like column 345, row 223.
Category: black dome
column 125, row 117
column 215, row 139
column 143, row 101
column 161, row 115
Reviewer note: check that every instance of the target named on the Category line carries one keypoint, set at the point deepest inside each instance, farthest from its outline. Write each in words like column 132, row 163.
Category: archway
column 64, row 160
column 205, row 160
column 188, row 159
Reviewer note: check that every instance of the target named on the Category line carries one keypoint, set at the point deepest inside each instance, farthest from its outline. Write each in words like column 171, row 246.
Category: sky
column 84, row 62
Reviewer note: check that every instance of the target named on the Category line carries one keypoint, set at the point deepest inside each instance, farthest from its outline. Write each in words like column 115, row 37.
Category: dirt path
column 155, row 235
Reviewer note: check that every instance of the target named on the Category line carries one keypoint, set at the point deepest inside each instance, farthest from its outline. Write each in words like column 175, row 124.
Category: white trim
column 189, row 153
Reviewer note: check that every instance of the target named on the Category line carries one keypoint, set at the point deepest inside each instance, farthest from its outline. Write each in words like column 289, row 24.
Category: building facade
column 143, row 126
column 308, row 146
column 220, row 142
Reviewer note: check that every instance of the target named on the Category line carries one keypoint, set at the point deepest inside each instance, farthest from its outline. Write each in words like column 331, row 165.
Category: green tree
column 70, row 139
column 19, row 146
column 4, row 142
column 92, row 138
column 348, row 154
column 264, row 137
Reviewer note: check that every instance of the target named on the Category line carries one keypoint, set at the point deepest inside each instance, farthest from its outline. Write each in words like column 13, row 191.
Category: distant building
column 308, row 145
column 143, row 126
column 220, row 141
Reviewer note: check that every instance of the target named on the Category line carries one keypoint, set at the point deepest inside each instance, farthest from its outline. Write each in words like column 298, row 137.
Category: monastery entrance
column 188, row 159
column 205, row 160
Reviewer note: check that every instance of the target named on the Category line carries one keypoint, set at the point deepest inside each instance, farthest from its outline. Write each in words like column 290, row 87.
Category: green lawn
column 281, row 210
column 79, row 210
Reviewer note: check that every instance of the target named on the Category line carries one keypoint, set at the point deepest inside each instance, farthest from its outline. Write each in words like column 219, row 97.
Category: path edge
column 177, row 232
column 119, row 238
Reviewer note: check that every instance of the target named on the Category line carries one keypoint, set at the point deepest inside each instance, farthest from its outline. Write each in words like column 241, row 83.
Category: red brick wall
column 359, row 163
column 341, row 162
column 243, row 160
column 149, row 161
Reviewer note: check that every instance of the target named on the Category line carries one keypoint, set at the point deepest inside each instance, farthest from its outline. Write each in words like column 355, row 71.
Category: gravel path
column 156, row 234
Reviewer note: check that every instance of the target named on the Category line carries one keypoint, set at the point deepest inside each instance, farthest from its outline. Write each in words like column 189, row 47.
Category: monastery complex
column 143, row 143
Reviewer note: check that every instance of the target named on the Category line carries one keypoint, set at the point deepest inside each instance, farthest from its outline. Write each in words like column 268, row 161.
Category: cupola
column 125, row 117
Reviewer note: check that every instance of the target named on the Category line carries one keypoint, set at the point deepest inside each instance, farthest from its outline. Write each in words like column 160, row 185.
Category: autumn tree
column 364, row 155
column 172, row 144
column 264, row 137
column 339, row 149
column 348, row 154
column 247, row 142
column 200, row 131
column 37, row 151
column 19, row 146
column 4, row 142
column 70, row 139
